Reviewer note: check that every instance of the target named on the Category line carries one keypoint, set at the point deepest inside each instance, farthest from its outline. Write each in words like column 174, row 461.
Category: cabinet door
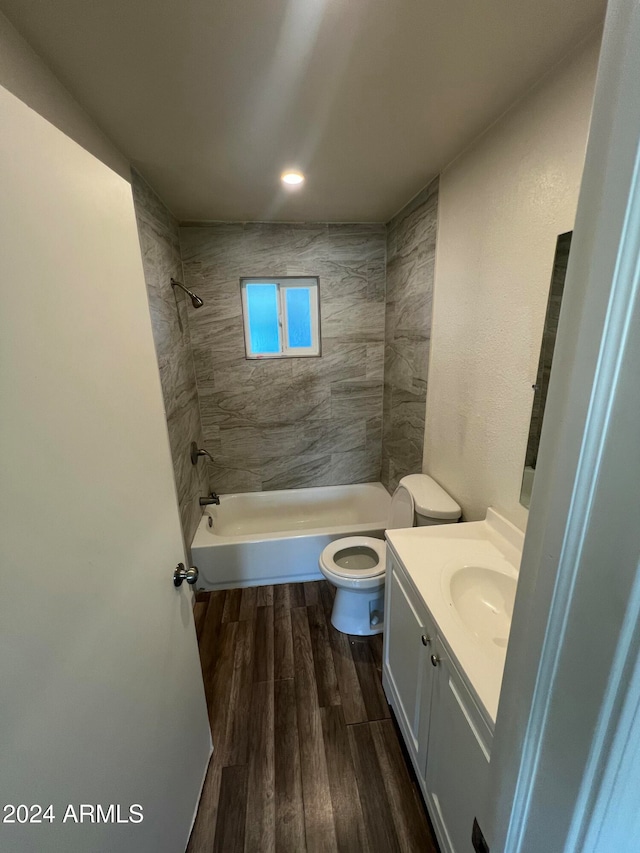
column 458, row 764
column 407, row 629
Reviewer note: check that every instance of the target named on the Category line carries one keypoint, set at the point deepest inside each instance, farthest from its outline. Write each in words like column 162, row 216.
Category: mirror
column 541, row 386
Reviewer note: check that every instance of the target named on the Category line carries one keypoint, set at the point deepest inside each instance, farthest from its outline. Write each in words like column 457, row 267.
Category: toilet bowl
column 356, row 565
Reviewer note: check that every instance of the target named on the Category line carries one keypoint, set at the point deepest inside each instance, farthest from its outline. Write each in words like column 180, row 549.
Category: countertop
column 429, row 555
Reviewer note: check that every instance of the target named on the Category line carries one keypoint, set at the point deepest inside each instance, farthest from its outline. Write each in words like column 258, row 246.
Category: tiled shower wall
column 287, row 423
column 411, row 248
column 159, row 242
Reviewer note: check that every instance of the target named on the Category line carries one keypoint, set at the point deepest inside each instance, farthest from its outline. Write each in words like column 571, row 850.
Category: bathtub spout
column 211, row 499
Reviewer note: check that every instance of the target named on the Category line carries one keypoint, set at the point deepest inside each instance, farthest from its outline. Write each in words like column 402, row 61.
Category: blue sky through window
column 262, row 305
column 281, row 316
column 298, row 316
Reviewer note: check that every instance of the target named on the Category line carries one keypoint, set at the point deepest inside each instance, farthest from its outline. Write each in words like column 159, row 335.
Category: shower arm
column 175, row 283
column 195, row 299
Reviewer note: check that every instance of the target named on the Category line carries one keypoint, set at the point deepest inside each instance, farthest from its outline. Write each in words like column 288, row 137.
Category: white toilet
column 356, row 565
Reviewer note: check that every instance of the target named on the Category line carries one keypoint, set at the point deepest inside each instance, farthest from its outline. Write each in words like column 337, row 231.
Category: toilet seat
column 358, row 605
column 376, row 546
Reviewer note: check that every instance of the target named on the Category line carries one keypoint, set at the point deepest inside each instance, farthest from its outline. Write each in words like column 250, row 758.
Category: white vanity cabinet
column 407, row 676
column 445, row 733
column 457, row 757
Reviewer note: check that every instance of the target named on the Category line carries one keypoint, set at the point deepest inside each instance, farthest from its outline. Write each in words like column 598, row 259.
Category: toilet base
column 354, row 611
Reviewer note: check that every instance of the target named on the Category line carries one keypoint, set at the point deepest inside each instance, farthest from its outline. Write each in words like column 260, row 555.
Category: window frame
column 284, row 283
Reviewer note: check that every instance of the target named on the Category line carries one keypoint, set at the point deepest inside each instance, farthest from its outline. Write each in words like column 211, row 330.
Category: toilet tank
column 431, row 503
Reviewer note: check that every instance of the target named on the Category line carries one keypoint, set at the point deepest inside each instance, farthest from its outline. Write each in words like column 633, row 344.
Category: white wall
column 26, row 76
column 503, row 203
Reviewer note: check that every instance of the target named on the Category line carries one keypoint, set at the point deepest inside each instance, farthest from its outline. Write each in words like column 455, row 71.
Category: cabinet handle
column 435, row 660
column 426, row 639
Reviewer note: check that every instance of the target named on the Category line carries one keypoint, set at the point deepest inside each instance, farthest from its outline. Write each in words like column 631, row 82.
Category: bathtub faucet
column 211, row 499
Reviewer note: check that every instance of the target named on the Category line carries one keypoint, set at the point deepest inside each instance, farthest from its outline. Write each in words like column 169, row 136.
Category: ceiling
column 212, row 99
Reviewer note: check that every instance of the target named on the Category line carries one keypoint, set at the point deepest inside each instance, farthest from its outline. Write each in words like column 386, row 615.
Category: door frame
column 568, row 727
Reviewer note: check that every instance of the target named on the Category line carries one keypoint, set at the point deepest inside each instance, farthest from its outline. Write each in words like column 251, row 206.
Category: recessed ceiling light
column 292, row 178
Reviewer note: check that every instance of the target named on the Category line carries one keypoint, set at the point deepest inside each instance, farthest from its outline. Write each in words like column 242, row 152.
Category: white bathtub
column 277, row 537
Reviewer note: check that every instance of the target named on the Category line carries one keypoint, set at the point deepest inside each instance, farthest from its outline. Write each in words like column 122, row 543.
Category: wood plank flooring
column 306, row 755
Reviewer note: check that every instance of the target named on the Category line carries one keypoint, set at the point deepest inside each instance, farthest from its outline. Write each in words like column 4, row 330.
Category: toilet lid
column 333, row 549
column 402, row 509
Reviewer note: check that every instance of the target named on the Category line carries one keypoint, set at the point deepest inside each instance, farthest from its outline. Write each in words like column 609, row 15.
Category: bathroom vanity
column 448, row 605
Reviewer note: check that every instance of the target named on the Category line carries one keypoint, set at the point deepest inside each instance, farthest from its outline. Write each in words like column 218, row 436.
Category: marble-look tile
column 374, row 435
column 386, row 413
column 416, row 224
column 356, row 398
column 348, row 278
column 405, row 444
column 231, row 408
column 377, row 281
column 393, row 474
column 236, row 475
column 375, row 361
column 282, row 472
column 154, row 219
column 339, row 360
column 389, row 323
column 212, row 440
column 411, row 240
column 240, row 442
column 205, row 367
column 222, row 353
column 407, row 276
column 385, row 472
column 221, row 334
column 414, row 306
column 192, row 481
column 169, row 310
column 345, row 242
column 178, row 382
column 336, row 469
column 268, row 377
column 222, row 302
column 359, row 466
column 352, row 319
column 306, row 398
column 314, row 438
column 303, row 421
column 406, row 362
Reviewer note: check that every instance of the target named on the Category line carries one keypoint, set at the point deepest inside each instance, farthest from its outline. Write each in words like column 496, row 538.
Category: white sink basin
column 466, row 574
column 483, row 599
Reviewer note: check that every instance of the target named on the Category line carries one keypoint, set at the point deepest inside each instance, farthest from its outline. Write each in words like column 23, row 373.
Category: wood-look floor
column 306, row 755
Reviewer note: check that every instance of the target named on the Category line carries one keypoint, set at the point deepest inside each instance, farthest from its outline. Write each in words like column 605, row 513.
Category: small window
column 281, row 317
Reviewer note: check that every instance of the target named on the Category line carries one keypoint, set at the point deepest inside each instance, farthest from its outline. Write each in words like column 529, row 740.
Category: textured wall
column 411, row 247
column 286, row 423
column 501, row 207
column 159, row 242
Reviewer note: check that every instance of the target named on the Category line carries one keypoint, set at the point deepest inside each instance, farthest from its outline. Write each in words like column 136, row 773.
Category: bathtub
column 276, row 537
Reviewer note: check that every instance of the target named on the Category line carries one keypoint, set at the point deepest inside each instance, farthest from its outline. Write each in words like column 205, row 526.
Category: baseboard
column 204, row 779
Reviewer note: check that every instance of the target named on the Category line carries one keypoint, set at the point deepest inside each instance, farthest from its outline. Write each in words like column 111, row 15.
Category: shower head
column 195, row 300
